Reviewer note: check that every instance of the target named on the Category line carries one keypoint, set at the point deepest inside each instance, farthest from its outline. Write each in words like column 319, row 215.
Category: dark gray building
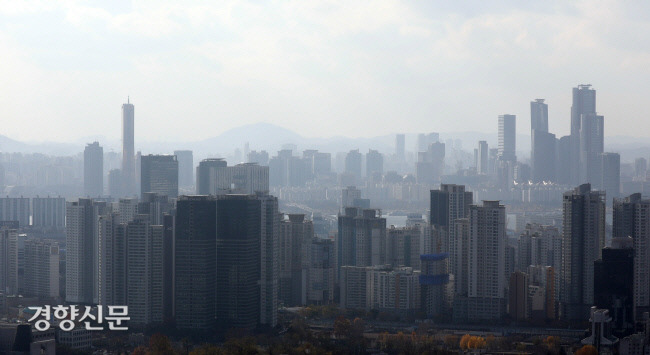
column 159, row 174
column 93, row 170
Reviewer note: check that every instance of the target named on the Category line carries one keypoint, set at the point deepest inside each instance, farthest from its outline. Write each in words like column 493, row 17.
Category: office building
column 640, row 169
column 42, row 275
column 591, row 148
column 349, row 197
column 507, row 138
column 48, row 212
column 93, row 170
column 248, row 178
column 424, row 140
column 185, row 168
column 159, row 174
column 296, row 235
column 115, row 182
column 247, row 225
column 538, row 116
column 128, row 150
column 583, row 239
column 81, row 261
column 206, row 175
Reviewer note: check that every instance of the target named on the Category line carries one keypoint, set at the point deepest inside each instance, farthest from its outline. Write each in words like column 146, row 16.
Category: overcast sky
column 321, row 68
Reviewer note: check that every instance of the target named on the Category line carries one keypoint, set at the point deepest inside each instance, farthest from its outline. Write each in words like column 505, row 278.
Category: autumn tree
column 587, row 350
column 464, row 342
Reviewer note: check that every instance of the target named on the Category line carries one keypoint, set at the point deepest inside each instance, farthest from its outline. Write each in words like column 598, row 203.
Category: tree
column 342, row 327
column 587, row 350
column 464, row 342
column 160, row 345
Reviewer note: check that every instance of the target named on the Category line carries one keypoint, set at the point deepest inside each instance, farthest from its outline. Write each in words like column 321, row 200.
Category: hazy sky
column 321, row 68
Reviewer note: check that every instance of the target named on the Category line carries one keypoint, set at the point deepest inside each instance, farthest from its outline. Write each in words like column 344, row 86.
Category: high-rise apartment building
column 486, row 261
column 15, row 209
column 144, row 271
column 48, row 212
column 42, row 274
column 583, row 239
column 185, row 168
column 8, row 261
column 94, row 170
column 81, row 250
column 111, row 260
column 159, row 174
column 630, row 219
column 507, row 138
column 362, row 237
column 322, row 272
column 296, row 235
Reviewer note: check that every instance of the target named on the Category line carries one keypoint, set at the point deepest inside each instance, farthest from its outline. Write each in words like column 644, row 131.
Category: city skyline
column 320, row 69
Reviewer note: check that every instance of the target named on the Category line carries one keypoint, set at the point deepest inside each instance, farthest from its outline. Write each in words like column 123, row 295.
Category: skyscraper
column 160, row 175
column 584, row 103
column 128, row 149
column 482, row 158
column 543, row 156
column 431, row 164
column 185, row 167
column 93, row 170
column 206, row 175
column 195, row 262
column 400, row 140
column 507, row 138
column 591, row 147
column 246, row 178
column 247, row 261
column 583, row 240
column 538, row 116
